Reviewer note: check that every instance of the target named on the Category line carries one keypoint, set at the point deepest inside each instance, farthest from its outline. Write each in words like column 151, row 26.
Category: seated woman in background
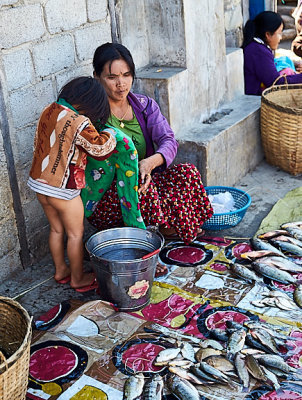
column 261, row 37
column 171, row 197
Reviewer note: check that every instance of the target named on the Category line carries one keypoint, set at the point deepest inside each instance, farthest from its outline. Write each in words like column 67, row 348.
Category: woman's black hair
column 88, row 97
column 108, row 52
column 266, row 21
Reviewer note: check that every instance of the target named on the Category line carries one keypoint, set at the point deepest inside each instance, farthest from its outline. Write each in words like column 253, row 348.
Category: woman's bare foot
column 87, row 279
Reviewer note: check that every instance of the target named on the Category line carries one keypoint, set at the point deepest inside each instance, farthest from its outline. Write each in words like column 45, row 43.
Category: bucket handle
column 151, row 254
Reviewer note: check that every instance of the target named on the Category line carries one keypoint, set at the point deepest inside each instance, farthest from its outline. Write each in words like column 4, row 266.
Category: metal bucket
column 124, row 261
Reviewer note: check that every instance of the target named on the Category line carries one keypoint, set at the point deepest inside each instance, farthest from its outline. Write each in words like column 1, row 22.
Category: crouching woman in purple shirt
column 171, row 197
column 261, row 37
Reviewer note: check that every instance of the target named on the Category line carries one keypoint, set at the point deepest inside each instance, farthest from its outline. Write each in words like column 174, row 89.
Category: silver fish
column 295, row 232
column 208, row 369
column 254, row 255
column 254, row 368
column 184, row 374
column 166, row 355
column 235, row 343
column 202, row 375
column 271, row 234
column 242, row 371
column 173, row 333
column 201, row 354
column 133, row 387
column 220, row 362
column 271, row 377
column 298, row 295
column 259, row 244
column 288, row 247
column 289, row 239
column 265, row 339
column 297, row 224
column 153, row 388
column 180, row 363
column 187, row 351
column 273, row 360
column 245, row 273
column 273, row 272
column 282, row 263
column 210, row 343
column 183, row 389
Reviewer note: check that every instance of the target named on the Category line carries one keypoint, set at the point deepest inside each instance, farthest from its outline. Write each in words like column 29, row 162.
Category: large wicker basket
column 15, row 337
column 281, row 126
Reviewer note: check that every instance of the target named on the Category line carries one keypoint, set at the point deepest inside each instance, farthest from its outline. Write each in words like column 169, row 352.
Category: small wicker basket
column 281, row 126
column 15, row 337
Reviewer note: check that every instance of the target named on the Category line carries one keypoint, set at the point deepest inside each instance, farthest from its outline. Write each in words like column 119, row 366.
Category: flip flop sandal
column 93, row 285
column 64, row 280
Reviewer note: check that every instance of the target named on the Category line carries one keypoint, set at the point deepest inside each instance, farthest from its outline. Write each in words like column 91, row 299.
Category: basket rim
column 275, row 88
column 228, row 188
column 6, row 364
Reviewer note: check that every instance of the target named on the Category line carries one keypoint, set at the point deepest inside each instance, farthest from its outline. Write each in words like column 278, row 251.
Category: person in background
column 261, row 37
column 64, row 136
column 171, row 197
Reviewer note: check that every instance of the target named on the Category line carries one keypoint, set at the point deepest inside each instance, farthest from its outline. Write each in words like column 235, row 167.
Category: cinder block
column 88, row 39
column 23, row 141
column 54, row 55
column 18, row 68
column 26, row 104
column 97, row 10
column 17, row 25
column 227, row 149
column 66, row 76
column 65, row 15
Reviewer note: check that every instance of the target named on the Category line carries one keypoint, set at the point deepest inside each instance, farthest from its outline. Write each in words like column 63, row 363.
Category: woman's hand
column 146, row 166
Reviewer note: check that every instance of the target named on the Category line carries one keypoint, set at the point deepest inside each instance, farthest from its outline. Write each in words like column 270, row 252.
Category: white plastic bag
column 222, row 202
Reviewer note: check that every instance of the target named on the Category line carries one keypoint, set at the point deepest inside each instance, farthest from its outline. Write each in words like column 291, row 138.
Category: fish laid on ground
column 179, row 363
column 272, row 378
column 166, row 355
column 201, row 374
column 208, row 369
column 273, row 272
column 201, row 354
column 153, row 388
column 254, row 255
column 289, row 239
column 220, row 362
column 245, row 273
column 184, row 374
column 265, row 339
column 259, row 244
column 187, row 351
column 288, row 247
column 283, row 263
column 133, row 387
column 273, row 360
column 296, row 224
column 182, row 389
column 211, row 343
column 219, row 334
column 271, row 234
column 252, row 342
column 235, row 343
column 242, row 371
column 254, row 368
column 295, row 232
column 298, row 295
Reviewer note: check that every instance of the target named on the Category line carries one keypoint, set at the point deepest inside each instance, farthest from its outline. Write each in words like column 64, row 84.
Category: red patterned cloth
column 175, row 198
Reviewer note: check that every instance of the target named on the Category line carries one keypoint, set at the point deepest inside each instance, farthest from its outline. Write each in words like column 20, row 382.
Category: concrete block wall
column 43, row 44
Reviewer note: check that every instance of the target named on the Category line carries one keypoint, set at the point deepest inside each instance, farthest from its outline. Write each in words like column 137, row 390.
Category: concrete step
column 226, row 149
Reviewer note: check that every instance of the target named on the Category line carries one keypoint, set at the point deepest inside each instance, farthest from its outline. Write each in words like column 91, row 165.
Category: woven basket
column 15, row 336
column 281, row 126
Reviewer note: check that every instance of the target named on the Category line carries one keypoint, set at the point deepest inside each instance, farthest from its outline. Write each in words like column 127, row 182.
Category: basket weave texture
column 281, row 127
column 15, row 337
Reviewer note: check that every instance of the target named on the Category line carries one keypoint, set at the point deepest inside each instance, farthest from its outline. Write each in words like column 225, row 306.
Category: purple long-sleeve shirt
column 155, row 127
column 259, row 69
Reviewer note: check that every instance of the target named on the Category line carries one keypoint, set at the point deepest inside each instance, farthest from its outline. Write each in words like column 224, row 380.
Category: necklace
column 122, row 125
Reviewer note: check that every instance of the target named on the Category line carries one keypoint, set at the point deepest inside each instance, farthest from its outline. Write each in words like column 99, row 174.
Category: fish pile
column 274, row 256
column 250, row 350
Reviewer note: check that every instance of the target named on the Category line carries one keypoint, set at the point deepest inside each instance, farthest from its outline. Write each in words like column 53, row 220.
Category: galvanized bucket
column 124, row 261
